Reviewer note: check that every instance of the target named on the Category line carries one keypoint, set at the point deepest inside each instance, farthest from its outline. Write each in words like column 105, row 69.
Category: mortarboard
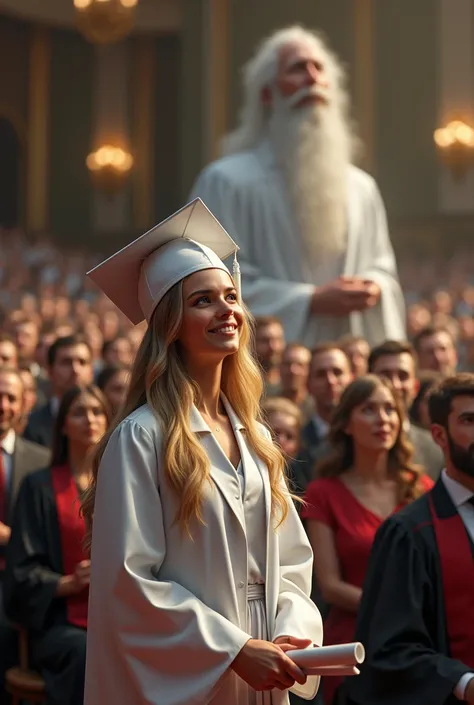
column 138, row 276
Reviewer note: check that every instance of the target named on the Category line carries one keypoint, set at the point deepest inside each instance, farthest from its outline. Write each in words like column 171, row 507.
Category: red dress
column 330, row 502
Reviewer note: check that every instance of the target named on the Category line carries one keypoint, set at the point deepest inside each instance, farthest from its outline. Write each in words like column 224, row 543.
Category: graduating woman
column 47, row 571
column 201, row 570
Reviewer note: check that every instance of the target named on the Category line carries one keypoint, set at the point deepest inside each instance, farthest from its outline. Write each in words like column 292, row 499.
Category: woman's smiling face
column 212, row 315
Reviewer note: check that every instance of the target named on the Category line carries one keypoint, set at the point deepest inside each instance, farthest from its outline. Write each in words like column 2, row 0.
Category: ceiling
column 152, row 15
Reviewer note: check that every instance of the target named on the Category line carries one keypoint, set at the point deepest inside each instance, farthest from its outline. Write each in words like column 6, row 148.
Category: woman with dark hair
column 47, row 571
column 367, row 476
column 113, row 381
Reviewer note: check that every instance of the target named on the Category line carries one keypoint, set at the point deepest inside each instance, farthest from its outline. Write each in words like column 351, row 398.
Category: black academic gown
column 402, row 620
column 34, row 566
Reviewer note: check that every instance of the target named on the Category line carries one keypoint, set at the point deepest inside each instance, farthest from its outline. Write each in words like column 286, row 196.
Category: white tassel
column 236, row 277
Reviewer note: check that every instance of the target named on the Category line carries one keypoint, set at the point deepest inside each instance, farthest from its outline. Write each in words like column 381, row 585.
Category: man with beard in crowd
column 416, row 618
column 315, row 249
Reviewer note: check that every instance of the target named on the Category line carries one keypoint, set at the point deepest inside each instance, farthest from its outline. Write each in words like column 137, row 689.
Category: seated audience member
column 269, row 346
column 47, row 571
column 294, row 372
column 118, row 351
column 284, row 420
column 30, row 396
column 396, row 361
column 69, row 364
column 436, row 350
column 357, row 350
column 8, row 351
column 416, row 617
column 369, row 475
column 18, row 458
column 329, row 374
column 25, row 331
column 113, row 381
column 419, row 412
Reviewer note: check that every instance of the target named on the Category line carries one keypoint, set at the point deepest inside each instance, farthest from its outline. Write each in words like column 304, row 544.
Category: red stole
column 72, row 531
column 457, row 573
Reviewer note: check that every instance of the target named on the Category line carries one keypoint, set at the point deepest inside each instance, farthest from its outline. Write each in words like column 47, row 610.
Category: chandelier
column 105, row 21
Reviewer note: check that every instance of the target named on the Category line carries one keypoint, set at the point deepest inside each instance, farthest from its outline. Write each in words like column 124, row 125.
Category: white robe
column 246, row 192
column 167, row 614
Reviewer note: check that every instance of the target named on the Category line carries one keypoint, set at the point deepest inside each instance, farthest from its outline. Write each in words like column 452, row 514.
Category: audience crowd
column 65, row 356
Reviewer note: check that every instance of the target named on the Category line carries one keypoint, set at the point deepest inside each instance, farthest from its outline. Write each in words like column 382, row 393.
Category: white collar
column 321, row 426
column 458, row 493
column 8, row 443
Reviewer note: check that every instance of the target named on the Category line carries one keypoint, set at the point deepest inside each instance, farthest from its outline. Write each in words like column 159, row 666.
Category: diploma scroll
column 339, row 660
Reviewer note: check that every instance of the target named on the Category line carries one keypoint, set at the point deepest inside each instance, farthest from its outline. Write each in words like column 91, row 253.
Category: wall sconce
column 109, row 168
column 455, row 143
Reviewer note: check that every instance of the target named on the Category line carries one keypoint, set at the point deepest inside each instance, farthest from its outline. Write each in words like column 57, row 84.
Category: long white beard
column 313, row 147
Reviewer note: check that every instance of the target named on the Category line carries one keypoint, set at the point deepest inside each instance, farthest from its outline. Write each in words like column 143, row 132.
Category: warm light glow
column 455, row 132
column 105, row 21
column 109, row 156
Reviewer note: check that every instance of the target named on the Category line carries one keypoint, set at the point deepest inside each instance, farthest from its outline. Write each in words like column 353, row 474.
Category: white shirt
column 7, row 449
column 321, row 426
column 460, row 497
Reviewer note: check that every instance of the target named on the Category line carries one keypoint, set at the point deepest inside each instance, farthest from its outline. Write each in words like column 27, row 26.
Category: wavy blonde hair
column 159, row 379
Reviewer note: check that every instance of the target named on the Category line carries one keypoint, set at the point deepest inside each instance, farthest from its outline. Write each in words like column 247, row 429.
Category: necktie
column 471, row 500
column 3, row 488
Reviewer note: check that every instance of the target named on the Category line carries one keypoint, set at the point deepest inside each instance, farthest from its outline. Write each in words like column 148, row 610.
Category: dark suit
column 40, row 426
column 427, row 453
column 27, row 458
column 301, row 470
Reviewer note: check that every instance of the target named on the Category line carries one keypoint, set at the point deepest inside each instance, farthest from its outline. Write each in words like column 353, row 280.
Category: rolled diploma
column 321, row 656
column 332, row 671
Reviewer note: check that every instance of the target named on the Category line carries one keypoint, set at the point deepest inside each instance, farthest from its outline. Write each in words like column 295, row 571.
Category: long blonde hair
column 159, row 379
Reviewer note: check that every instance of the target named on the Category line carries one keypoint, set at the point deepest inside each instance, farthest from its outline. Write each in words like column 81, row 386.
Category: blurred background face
column 329, row 375
column 375, row 424
column 86, row 421
column 269, row 345
column 286, row 432
column 72, row 367
column 294, row 369
column 400, row 371
column 11, row 402
column 116, row 389
column 437, row 352
column 44, row 343
column 119, row 352
column 30, row 396
column 8, row 354
column 358, row 353
column 26, row 336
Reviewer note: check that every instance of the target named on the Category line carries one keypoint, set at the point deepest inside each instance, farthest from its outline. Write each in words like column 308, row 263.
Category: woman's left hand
column 291, row 643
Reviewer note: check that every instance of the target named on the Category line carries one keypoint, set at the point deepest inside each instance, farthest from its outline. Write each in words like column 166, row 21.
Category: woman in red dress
column 368, row 476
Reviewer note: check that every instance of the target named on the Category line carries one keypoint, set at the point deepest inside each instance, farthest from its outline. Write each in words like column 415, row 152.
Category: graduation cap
column 138, row 276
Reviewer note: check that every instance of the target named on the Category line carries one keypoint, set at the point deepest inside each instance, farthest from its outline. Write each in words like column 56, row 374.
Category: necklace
column 217, row 429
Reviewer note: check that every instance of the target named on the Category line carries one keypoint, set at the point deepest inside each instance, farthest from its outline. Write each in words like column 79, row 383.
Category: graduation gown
column 34, row 565
column 168, row 613
column 247, row 193
column 403, row 614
